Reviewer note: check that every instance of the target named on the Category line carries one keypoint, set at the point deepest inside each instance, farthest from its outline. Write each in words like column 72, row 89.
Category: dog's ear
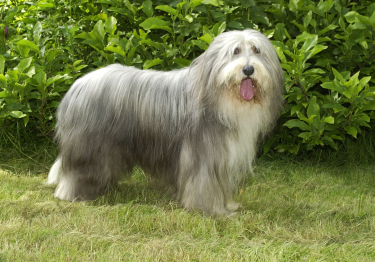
column 204, row 79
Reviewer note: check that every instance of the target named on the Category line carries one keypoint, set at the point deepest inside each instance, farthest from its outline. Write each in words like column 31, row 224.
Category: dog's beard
column 246, row 91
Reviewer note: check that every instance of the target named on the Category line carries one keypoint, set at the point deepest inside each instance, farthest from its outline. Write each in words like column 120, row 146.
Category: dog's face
column 245, row 65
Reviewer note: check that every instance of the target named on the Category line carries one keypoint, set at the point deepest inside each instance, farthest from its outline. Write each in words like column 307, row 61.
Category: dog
column 195, row 129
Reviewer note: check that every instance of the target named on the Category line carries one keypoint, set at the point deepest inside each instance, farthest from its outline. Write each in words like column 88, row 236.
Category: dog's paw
column 233, row 206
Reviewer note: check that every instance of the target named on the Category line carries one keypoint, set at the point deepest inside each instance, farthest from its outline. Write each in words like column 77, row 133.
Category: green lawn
column 291, row 211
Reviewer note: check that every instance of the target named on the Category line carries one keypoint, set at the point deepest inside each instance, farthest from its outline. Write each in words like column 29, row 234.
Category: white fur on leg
column 54, row 173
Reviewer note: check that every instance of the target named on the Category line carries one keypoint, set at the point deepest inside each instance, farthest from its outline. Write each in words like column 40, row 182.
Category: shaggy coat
column 197, row 128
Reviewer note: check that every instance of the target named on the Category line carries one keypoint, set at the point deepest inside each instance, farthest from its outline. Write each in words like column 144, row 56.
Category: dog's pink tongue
column 247, row 89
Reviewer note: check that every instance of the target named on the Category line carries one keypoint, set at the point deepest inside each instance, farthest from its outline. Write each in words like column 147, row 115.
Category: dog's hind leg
column 54, row 173
column 82, row 183
column 87, row 177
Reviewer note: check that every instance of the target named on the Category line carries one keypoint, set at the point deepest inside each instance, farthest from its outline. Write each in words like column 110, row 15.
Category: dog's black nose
column 248, row 70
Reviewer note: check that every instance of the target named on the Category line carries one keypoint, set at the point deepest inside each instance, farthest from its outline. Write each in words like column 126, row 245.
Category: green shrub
column 326, row 50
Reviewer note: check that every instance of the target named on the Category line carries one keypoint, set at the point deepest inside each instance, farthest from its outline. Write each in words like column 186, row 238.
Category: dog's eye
column 256, row 50
column 237, row 51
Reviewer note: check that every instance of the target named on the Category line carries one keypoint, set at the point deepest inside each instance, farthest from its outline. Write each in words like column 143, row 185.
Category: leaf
column 269, row 143
column 172, row 52
column 247, row 3
column 207, row 38
column 363, row 82
column 147, row 8
column 335, row 86
column 195, row 3
column 53, row 79
column 99, row 31
column 182, row 61
column 235, row 25
column 329, row 141
column 352, row 86
column 40, row 77
column 77, row 62
column 302, row 37
column 314, row 71
column 84, row 35
column 37, row 31
column 188, row 18
column 28, row 44
column 26, row 120
column 338, row 75
column 166, row 28
column 328, row 28
column 116, row 50
column 212, row 2
column 24, row 63
column 283, row 60
column 45, row 5
column 218, row 28
column 293, row 149
column 13, row 106
column 309, row 43
column 313, row 108
column 167, row 9
column 305, row 135
column 351, row 16
column 150, row 63
column 155, row 23
column 363, row 116
column 152, row 21
column 279, row 33
column 336, row 107
column 110, row 25
column 2, row 65
column 307, row 19
column 297, row 123
column 3, row 82
column 329, row 120
column 317, row 49
column 351, row 131
column 202, row 45
column 359, row 85
column 149, row 42
column 354, row 79
column 93, row 43
column 17, row 114
column 370, row 105
column 296, row 108
column 53, row 104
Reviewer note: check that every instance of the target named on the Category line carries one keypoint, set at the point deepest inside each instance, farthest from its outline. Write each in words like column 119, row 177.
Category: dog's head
column 242, row 64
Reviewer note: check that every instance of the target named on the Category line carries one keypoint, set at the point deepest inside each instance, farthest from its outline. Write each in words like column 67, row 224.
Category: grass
column 318, row 209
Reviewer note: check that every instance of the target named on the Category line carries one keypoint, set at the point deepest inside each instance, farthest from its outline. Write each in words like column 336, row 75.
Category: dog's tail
column 54, row 173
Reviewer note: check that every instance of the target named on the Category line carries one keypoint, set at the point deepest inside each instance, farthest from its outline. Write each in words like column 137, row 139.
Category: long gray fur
column 189, row 127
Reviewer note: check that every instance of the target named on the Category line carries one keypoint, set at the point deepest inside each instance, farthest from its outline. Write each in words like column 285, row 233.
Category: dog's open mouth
column 247, row 89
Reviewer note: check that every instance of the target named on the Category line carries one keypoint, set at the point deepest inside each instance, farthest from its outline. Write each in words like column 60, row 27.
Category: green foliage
column 327, row 54
column 326, row 49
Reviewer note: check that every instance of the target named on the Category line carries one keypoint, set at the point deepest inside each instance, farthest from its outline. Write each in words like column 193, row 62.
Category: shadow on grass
column 138, row 188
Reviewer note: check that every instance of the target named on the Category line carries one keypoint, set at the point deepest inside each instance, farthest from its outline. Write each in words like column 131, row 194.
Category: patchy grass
column 291, row 211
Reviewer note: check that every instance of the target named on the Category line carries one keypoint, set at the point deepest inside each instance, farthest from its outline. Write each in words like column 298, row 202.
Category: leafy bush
column 326, row 50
